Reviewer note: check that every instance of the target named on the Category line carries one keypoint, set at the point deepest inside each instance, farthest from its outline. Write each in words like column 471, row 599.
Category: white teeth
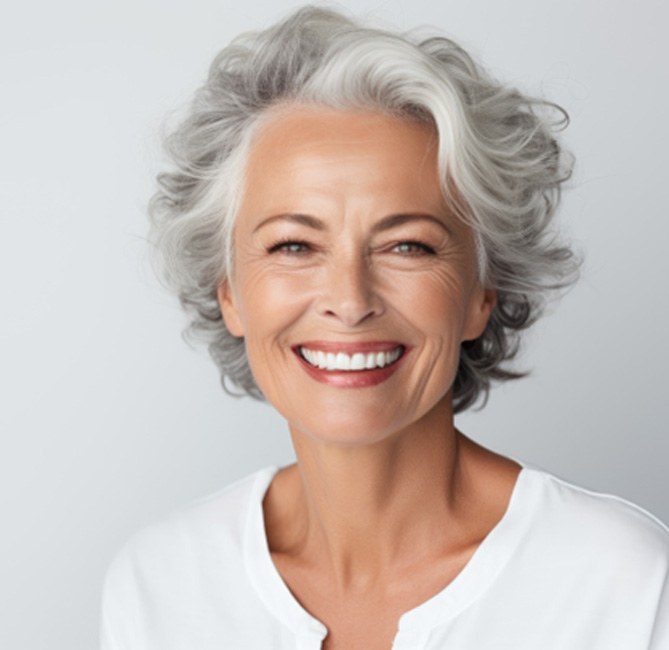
column 357, row 361
column 309, row 356
column 343, row 361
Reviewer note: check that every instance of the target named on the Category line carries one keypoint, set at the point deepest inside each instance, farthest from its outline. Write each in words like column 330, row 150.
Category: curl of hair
column 501, row 166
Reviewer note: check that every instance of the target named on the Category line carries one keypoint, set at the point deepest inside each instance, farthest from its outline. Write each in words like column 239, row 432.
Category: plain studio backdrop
column 109, row 421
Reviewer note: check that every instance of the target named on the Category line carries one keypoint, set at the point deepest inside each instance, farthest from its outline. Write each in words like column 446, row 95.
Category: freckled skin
column 388, row 501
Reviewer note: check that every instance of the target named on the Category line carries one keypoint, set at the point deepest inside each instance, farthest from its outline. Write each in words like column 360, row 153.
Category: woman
column 360, row 226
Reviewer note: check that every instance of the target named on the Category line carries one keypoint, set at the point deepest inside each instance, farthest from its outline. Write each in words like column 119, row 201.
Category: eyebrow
column 304, row 219
column 387, row 223
column 395, row 220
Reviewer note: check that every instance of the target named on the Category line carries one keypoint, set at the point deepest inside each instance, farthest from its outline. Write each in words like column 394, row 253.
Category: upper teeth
column 356, row 361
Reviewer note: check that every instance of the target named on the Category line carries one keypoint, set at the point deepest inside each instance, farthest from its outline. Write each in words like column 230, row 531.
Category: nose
column 349, row 292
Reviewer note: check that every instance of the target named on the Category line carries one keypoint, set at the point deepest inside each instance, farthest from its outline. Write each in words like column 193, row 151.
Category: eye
column 290, row 247
column 413, row 248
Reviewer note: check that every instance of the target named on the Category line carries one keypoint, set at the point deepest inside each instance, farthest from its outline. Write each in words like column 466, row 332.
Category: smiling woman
column 359, row 224
column 351, row 252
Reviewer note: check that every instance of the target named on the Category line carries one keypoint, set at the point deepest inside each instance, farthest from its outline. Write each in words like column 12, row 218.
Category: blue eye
column 290, row 247
column 413, row 248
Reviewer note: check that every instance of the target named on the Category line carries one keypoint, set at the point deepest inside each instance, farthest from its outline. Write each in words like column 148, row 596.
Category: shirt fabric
column 564, row 569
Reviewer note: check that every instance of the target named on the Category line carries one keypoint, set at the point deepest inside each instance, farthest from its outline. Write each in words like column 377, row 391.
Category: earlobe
column 227, row 303
column 480, row 314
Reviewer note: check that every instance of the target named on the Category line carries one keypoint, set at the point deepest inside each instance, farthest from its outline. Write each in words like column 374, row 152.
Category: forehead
column 312, row 149
column 321, row 123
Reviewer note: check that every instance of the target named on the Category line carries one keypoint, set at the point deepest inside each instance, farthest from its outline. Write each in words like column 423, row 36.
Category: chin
column 353, row 429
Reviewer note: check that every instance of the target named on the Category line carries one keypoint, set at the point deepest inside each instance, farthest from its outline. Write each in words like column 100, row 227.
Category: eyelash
column 289, row 246
column 285, row 245
column 418, row 248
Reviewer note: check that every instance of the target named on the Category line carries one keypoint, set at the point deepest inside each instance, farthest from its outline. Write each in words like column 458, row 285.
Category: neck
column 365, row 511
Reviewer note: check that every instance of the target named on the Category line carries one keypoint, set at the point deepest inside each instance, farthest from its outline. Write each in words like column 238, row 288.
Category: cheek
column 434, row 301
column 270, row 301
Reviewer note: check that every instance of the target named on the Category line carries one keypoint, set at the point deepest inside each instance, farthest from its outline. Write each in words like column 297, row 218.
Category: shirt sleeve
column 660, row 635
column 118, row 625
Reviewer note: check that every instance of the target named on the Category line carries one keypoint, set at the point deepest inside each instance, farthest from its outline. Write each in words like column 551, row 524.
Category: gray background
column 109, row 421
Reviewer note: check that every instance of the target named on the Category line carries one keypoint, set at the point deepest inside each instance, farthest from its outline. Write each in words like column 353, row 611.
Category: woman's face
column 353, row 285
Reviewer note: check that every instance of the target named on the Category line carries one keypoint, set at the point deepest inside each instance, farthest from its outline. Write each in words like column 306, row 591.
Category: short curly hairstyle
column 500, row 164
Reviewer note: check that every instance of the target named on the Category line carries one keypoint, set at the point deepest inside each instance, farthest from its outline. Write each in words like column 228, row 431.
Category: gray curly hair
column 499, row 161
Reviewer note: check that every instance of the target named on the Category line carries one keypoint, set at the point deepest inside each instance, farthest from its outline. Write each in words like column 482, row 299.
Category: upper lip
column 351, row 347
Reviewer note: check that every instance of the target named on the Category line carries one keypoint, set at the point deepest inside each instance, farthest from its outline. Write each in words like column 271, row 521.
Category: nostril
column 352, row 313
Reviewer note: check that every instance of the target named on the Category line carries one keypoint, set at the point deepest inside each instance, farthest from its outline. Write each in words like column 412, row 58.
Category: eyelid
column 422, row 247
column 416, row 246
column 283, row 245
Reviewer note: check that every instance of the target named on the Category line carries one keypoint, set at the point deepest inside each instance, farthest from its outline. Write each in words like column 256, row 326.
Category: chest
column 366, row 618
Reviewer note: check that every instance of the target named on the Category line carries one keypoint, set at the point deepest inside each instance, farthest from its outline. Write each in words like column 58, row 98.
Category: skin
column 387, row 501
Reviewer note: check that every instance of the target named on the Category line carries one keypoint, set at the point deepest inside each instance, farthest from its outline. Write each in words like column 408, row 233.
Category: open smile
column 350, row 362
column 353, row 365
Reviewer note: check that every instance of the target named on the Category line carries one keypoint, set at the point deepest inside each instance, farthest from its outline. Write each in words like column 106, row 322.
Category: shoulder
column 195, row 533
column 583, row 556
column 177, row 580
column 608, row 526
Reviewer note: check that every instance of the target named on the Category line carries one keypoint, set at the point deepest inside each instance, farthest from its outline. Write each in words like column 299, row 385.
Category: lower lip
column 351, row 378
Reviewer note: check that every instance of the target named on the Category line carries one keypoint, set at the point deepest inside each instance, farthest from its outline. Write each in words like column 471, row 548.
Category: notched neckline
column 415, row 624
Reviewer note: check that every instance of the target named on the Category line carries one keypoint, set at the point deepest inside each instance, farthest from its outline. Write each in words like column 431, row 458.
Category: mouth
column 351, row 365
column 333, row 360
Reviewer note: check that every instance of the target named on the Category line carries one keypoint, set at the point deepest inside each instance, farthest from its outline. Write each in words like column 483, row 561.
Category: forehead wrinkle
column 278, row 156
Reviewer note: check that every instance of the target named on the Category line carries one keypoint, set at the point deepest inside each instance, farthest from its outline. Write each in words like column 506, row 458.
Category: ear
column 482, row 304
column 229, row 309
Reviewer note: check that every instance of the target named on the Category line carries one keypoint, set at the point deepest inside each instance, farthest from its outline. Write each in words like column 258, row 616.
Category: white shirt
column 565, row 569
